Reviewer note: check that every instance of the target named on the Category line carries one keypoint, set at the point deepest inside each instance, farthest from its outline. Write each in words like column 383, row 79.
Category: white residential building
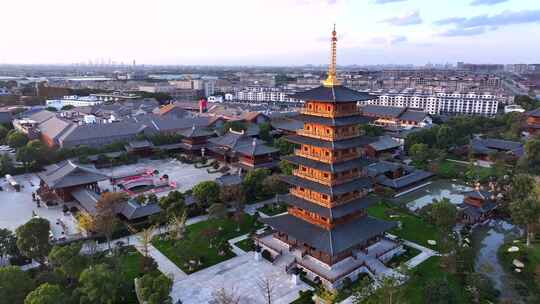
column 441, row 102
column 262, row 94
column 76, row 101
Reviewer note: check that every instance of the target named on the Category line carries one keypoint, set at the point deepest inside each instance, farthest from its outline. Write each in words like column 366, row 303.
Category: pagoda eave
column 337, row 167
column 331, row 241
column 334, row 212
column 355, row 142
column 362, row 183
column 336, row 121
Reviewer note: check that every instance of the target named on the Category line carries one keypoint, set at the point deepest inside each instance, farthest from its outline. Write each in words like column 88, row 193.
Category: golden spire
column 331, row 79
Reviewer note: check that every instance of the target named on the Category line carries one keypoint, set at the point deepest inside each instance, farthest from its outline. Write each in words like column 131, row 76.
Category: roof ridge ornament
column 331, row 79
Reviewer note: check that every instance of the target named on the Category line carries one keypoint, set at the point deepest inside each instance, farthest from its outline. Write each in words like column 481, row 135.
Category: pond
column 436, row 190
column 486, row 240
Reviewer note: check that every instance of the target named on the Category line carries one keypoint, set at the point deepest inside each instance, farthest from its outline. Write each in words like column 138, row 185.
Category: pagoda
column 327, row 224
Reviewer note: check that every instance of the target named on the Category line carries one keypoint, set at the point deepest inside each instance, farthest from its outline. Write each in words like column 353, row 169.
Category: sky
column 269, row 32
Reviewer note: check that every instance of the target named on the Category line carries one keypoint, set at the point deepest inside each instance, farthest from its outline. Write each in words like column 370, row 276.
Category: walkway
column 242, row 276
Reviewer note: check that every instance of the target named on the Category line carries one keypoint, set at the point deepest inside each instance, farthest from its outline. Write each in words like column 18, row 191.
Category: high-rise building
column 327, row 229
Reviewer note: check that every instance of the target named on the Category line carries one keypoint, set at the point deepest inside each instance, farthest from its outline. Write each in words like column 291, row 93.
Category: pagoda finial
column 331, row 79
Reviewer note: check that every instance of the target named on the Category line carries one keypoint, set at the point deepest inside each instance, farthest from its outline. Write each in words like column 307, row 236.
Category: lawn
column 129, row 262
column 409, row 253
column 530, row 257
column 430, row 271
column 273, row 209
column 199, row 248
column 246, row 244
column 413, row 228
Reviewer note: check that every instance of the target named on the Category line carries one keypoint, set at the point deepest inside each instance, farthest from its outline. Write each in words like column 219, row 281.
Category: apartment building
column 471, row 103
column 264, row 94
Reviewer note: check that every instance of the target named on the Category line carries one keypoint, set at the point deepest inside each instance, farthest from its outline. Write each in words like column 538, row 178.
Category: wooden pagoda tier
column 330, row 188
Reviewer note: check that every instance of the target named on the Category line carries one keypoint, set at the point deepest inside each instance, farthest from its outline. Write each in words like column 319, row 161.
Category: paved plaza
column 240, row 275
column 185, row 175
column 17, row 208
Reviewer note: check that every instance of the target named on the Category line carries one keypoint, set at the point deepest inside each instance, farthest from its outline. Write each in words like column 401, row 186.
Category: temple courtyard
column 241, row 275
column 18, row 207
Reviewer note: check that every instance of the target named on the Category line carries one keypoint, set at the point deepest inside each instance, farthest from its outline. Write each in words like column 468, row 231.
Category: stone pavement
column 240, row 275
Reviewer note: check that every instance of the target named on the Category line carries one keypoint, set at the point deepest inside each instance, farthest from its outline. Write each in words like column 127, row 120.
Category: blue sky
column 270, row 32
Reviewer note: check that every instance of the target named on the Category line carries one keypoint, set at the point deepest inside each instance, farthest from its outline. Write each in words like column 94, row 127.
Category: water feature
column 436, row 190
column 486, row 239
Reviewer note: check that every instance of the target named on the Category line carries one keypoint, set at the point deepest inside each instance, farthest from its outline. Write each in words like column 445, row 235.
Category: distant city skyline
column 270, row 32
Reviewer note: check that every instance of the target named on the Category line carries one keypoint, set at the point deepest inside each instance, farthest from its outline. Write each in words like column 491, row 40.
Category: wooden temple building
column 478, row 205
column 327, row 222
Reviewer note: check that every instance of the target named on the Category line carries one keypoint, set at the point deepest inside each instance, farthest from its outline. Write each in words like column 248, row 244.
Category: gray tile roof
column 287, row 124
column 55, row 127
column 87, row 199
column 195, row 131
column 332, row 94
column 334, row 167
column 254, row 147
column 410, row 177
column 373, row 110
column 356, row 184
column 107, row 130
column 133, row 210
column 492, row 145
column 333, row 241
column 41, row 116
column 535, row 112
column 411, row 115
column 385, row 143
column 229, row 180
column 67, row 174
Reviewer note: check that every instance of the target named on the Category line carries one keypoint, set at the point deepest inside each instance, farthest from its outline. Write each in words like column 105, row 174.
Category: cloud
column 386, row 1
column 457, row 32
column 309, row 2
column 398, row 39
column 410, row 18
column 487, row 2
column 501, row 19
column 450, row 20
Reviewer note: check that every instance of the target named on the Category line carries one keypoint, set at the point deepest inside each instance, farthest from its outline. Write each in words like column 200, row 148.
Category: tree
column 154, row 289
column 273, row 185
column 8, row 243
column 33, row 152
column 105, row 219
column 177, row 226
column 443, row 214
column 6, row 164
column 389, row 291
column 172, row 204
column 235, row 125
column 252, row 185
column 264, row 132
column 444, row 137
column 68, row 260
column 3, row 133
column 16, row 139
column 531, row 157
column 286, row 167
column 152, row 198
column 67, row 107
column 99, row 285
column 285, row 147
column 206, row 193
column 364, row 291
column 15, row 284
column 438, row 291
column 371, row 130
column 223, row 296
column 217, row 211
column 526, row 211
column 266, row 288
column 419, row 154
column 33, row 239
column 46, row 294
